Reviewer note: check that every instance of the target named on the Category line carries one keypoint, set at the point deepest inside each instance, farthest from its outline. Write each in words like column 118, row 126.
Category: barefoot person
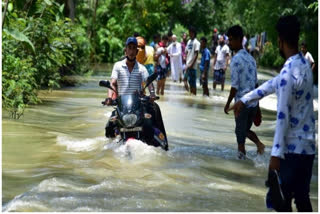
column 243, row 79
column 293, row 149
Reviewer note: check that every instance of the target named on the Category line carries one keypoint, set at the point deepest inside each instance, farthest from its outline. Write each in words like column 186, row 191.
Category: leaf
column 48, row 2
column 10, row 7
column 61, row 8
column 19, row 36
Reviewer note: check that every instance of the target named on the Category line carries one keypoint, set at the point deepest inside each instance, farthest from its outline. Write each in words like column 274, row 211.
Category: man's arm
column 263, row 90
column 205, row 70
column 194, row 59
column 151, row 90
column 232, row 94
column 283, row 114
column 206, row 66
column 313, row 65
column 110, row 92
column 150, row 87
column 114, row 86
column 227, row 59
column 214, row 61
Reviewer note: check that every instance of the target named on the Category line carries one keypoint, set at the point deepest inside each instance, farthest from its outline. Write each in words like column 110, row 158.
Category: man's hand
column 224, row 69
column 108, row 101
column 152, row 97
column 274, row 163
column 237, row 108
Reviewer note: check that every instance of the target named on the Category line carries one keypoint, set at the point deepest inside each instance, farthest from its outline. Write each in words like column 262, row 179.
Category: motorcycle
column 133, row 121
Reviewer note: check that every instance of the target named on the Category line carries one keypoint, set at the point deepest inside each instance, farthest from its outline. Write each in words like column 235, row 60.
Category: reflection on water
column 56, row 157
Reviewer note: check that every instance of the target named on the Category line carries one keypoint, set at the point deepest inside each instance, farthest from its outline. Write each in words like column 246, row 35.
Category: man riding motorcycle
column 127, row 78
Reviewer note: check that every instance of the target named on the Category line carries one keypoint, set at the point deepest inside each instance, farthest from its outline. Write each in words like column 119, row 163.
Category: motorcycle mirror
column 106, row 84
column 150, row 79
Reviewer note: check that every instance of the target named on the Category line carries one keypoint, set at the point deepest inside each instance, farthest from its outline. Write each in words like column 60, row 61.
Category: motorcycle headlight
column 129, row 119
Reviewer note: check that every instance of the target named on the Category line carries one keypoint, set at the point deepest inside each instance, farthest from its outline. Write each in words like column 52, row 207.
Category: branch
column 4, row 13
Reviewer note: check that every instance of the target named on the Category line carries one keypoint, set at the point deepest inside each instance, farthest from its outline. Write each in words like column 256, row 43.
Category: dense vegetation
column 45, row 40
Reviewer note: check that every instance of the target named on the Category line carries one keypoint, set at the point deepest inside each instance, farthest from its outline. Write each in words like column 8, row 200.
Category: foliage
column 258, row 16
column 18, row 82
column 178, row 30
column 270, row 56
column 40, row 46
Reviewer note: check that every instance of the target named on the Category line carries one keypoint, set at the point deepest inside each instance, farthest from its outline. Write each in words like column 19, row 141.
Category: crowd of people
column 293, row 149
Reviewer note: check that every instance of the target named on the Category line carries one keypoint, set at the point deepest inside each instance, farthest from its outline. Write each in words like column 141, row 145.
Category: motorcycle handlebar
column 114, row 102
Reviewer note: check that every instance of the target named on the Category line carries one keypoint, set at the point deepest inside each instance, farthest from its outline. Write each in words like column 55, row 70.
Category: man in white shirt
column 220, row 63
column 174, row 51
column 192, row 51
column 293, row 149
column 307, row 55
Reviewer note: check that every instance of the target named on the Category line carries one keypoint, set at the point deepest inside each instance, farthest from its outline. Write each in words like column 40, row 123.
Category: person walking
column 174, row 51
column 220, row 63
column 243, row 79
column 294, row 148
column 204, row 65
column 192, row 51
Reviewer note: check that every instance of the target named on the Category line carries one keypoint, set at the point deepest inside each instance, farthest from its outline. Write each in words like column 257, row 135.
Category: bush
column 39, row 48
column 270, row 56
column 19, row 87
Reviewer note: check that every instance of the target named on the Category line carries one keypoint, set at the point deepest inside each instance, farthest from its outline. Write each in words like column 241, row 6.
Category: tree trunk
column 91, row 33
column 4, row 13
column 71, row 8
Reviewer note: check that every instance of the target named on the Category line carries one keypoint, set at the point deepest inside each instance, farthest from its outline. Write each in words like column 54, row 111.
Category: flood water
column 56, row 158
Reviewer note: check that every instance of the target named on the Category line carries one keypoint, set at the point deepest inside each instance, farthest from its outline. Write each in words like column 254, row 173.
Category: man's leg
column 163, row 85
column 222, row 77
column 254, row 138
column 287, row 169
column 158, row 118
column 205, row 86
column 185, row 80
column 158, row 86
column 214, row 80
column 148, row 130
column 205, row 89
column 302, row 184
column 110, row 127
column 241, row 130
column 252, row 135
column 193, row 81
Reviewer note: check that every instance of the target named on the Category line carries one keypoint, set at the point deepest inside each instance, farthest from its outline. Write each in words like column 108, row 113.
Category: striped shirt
column 129, row 83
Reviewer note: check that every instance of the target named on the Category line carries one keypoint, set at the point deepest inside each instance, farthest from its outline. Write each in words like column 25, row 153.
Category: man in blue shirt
column 204, row 65
column 293, row 149
column 243, row 79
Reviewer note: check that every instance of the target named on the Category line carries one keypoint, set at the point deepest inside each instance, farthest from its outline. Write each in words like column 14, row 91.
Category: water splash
column 137, row 151
column 80, row 145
